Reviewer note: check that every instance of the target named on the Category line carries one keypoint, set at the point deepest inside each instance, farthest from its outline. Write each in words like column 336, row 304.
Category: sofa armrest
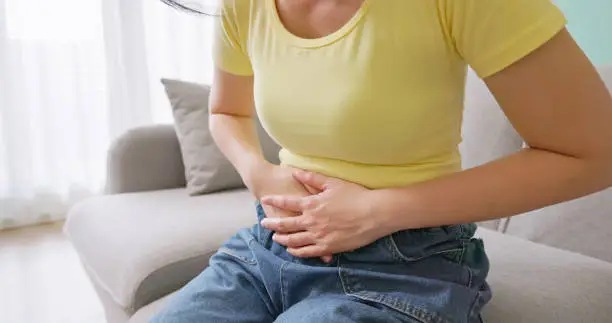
column 144, row 159
column 138, row 247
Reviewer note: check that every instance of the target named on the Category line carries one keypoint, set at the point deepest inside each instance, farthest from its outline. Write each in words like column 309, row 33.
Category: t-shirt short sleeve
column 230, row 38
column 490, row 35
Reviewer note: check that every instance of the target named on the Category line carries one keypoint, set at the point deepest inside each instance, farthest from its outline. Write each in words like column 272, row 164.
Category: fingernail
column 267, row 221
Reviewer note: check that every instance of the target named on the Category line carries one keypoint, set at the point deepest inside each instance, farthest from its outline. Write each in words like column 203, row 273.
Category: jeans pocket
column 420, row 273
column 237, row 256
column 412, row 291
column 238, row 247
column 415, row 245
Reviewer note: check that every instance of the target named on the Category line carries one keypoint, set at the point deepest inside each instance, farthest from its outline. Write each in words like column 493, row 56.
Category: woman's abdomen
column 375, row 176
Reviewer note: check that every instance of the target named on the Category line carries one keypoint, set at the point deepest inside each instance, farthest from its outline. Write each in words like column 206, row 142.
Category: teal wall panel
column 590, row 22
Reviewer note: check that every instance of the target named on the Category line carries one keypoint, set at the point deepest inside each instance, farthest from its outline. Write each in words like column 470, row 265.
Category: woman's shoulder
column 241, row 10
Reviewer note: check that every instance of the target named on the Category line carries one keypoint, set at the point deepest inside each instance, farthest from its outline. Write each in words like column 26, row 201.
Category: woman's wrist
column 254, row 172
column 393, row 209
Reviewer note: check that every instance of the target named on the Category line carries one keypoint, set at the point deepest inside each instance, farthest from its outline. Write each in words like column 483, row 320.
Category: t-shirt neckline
column 315, row 42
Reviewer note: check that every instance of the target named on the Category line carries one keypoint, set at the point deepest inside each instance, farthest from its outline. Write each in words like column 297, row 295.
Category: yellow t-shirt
column 380, row 101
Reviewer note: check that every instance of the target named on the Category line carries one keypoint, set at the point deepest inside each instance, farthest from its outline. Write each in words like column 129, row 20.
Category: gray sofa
column 147, row 237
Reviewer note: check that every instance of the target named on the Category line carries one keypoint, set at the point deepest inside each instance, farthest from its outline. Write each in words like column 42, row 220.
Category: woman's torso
column 379, row 101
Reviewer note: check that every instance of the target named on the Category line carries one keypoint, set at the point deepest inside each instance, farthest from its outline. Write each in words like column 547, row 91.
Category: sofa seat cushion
column 531, row 283
column 141, row 246
column 536, row 283
column 145, row 314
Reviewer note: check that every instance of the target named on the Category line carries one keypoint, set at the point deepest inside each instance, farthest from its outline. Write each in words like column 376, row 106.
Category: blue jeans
column 427, row 275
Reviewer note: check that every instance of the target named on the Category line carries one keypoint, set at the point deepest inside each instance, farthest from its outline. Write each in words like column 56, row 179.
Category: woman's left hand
column 338, row 219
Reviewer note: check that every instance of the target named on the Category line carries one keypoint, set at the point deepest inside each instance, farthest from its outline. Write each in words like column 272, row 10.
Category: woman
column 369, row 218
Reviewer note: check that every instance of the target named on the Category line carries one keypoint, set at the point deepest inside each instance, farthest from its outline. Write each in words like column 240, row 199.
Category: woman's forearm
column 522, row 182
column 237, row 138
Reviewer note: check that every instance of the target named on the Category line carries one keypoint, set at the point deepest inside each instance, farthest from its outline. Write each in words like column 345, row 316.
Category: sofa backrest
column 581, row 226
column 487, row 133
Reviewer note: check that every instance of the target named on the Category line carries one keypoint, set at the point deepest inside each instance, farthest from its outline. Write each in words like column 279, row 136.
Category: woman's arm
column 561, row 107
column 557, row 102
column 232, row 125
column 231, row 122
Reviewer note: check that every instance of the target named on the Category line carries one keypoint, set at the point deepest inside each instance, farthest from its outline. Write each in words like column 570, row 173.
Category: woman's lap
column 428, row 275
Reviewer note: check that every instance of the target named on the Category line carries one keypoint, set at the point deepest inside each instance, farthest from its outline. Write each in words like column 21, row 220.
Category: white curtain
column 75, row 74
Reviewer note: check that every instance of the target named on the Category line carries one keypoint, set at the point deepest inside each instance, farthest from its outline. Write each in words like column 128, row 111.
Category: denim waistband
column 409, row 242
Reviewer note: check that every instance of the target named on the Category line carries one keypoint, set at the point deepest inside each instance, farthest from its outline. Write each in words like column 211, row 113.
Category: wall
column 590, row 22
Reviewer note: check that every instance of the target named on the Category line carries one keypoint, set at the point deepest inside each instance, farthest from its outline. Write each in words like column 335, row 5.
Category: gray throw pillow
column 206, row 168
